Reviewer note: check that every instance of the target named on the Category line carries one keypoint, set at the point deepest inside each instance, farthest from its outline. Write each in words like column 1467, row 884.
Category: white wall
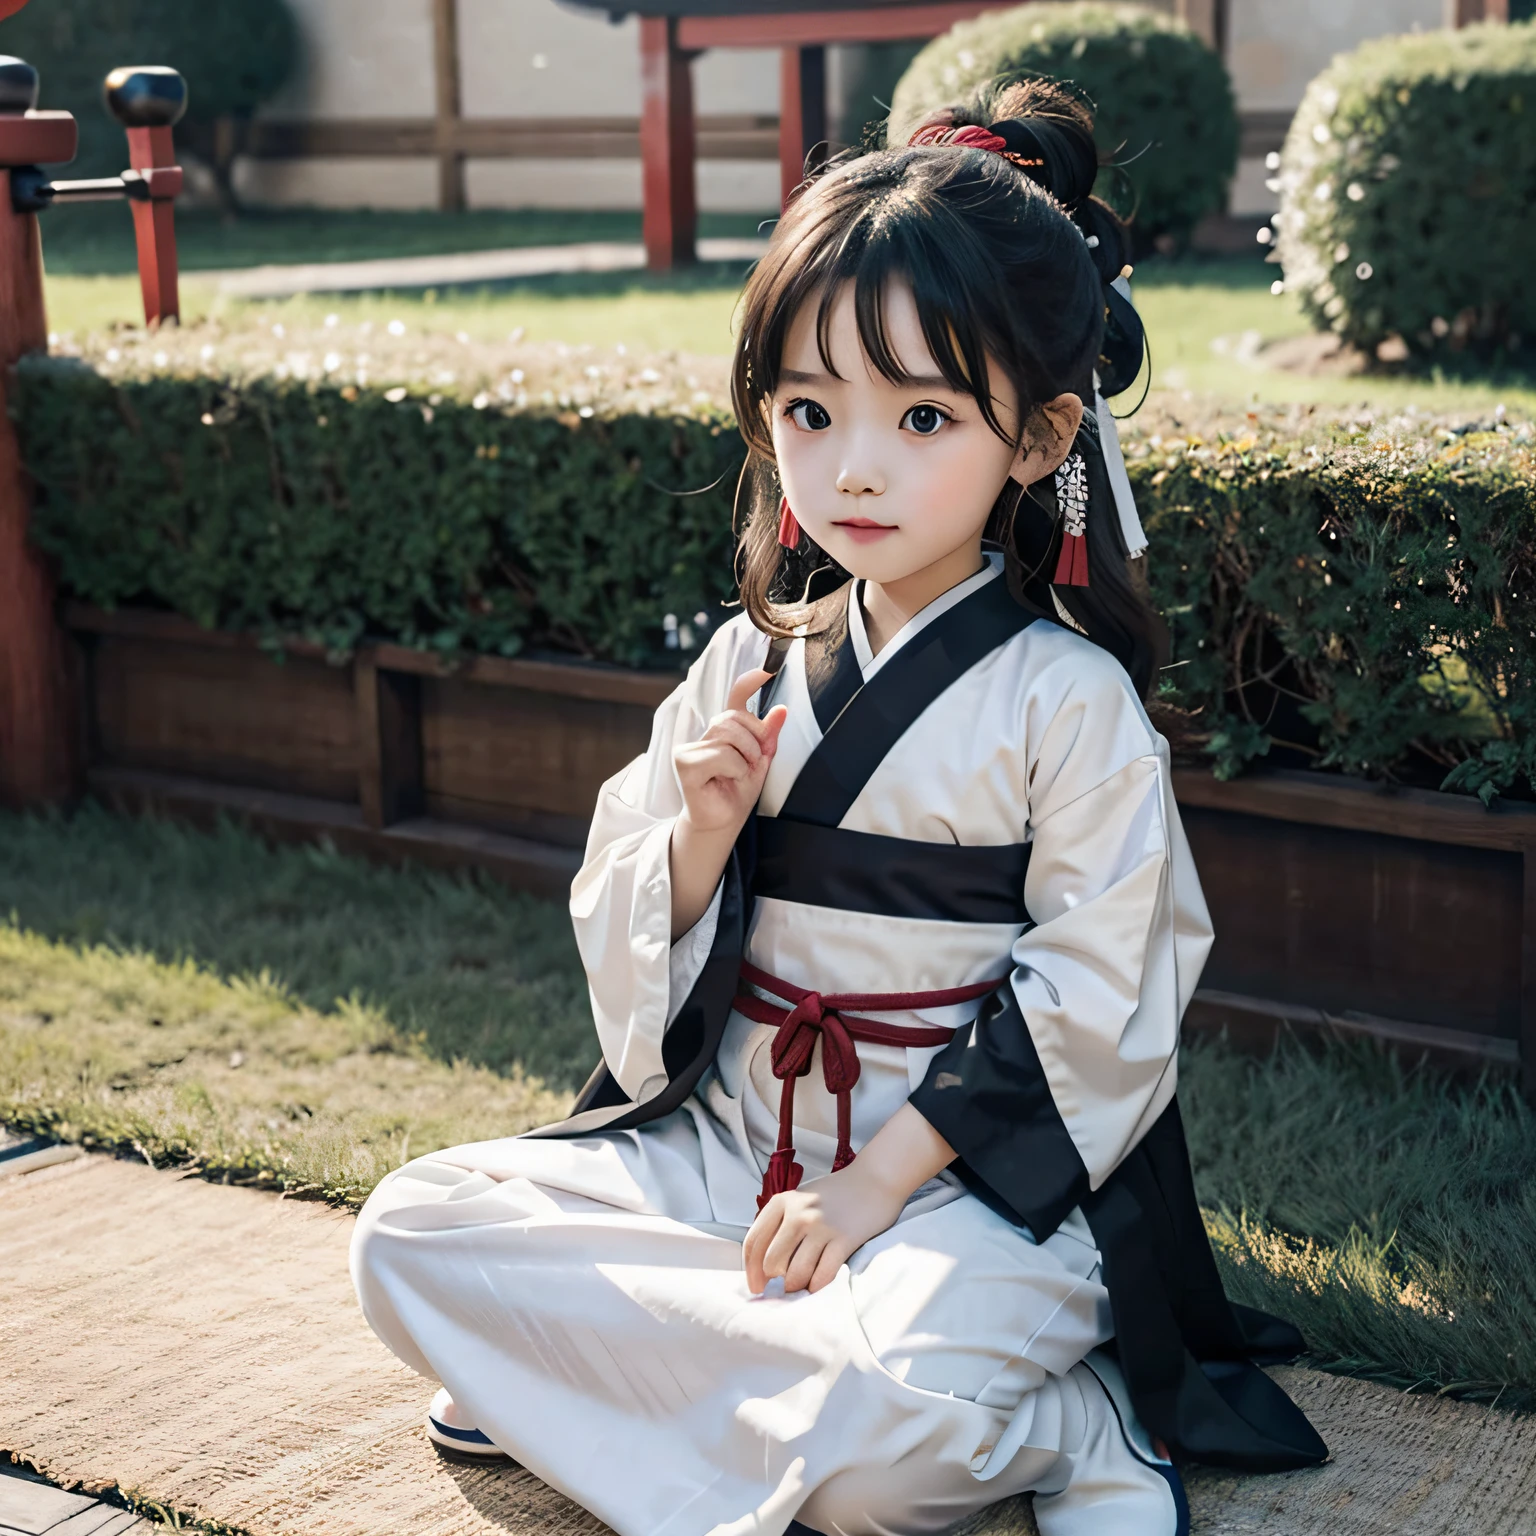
column 1275, row 47
column 518, row 58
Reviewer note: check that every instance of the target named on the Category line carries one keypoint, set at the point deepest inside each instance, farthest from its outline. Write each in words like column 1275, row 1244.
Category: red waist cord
column 816, row 1013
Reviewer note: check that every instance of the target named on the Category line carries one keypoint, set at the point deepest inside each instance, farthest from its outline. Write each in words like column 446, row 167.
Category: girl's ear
column 1047, row 444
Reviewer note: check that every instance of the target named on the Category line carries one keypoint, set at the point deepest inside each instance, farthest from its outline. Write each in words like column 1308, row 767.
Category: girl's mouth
column 864, row 530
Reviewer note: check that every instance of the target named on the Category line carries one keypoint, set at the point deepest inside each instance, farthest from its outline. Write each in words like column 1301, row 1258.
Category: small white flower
column 1272, row 160
column 113, row 355
column 1354, row 192
column 481, row 401
column 206, row 354
column 278, row 331
column 396, row 328
column 161, row 359
column 395, row 395
column 1340, row 252
column 1323, row 191
column 332, row 321
column 516, row 375
column 1320, row 133
column 332, row 361
column 1277, row 287
column 585, row 412
column 1265, row 235
column 462, row 337
column 1365, row 271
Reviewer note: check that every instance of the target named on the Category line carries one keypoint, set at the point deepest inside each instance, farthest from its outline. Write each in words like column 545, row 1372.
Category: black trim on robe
column 1187, row 1353
column 889, row 876
column 889, row 704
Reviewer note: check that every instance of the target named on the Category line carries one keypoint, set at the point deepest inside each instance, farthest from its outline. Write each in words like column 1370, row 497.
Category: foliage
column 1164, row 104
column 234, row 56
column 1365, row 600
column 1406, row 185
column 1388, row 1211
column 319, row 507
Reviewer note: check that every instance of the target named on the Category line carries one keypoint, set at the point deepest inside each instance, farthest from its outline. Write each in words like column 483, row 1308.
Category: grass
column 293, row 1018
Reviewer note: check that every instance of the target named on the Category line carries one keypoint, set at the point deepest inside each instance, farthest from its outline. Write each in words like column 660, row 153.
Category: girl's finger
column 772, row 723
column 744, row 687
column 781, row 1251
column 832, row 1259
column 729, row 729
column 805, row 1262
column 756, row 1244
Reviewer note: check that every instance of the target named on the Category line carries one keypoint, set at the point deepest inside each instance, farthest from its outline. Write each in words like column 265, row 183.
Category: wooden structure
column 1408, row 917
column 39, row 748
column 38, row 759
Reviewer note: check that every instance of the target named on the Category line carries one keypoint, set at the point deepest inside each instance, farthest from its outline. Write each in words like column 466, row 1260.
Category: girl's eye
column 809, row 416
column 925, row 420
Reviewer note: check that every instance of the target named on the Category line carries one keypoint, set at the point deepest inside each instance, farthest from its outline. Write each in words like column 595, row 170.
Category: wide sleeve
column 621, row 898
column 1065, row 1069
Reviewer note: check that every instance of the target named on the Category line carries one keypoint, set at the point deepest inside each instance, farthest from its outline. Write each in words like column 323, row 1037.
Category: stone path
column 276, row 282
column 31, row 1507
column 201, row 1345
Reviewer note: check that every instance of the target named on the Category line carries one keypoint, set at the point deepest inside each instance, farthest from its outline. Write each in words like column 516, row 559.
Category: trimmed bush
column 1407, row 183
column 1163, row 101
column 234, row 55
column 1359, row 598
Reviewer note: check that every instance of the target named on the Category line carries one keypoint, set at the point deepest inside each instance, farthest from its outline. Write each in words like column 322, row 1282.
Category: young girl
column 878, row 1210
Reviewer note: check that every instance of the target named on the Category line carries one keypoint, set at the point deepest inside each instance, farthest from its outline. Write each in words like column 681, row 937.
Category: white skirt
column 584, row 1303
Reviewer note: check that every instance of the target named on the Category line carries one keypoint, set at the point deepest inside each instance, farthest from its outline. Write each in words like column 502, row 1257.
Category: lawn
column 294, row 1018
column 1208, row 319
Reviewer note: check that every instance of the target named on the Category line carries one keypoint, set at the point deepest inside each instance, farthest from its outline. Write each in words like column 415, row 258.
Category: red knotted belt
column 815, row 1013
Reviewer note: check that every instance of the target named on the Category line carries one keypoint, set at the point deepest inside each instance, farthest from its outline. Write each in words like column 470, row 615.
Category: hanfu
column 981, row 808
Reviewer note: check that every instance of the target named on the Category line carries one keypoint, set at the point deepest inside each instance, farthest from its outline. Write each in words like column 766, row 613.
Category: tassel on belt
column 810, row 1014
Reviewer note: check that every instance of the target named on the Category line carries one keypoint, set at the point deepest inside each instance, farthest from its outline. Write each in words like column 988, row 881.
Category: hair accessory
column 789, row 528
column 972, row 137
column 1072, row 498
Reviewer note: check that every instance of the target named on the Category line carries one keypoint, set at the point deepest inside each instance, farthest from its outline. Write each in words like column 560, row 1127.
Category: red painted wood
column 802, row 112
column 878, row 24
column 666, row 145
column 39, row 737
column 154, row 225
column 39, row 138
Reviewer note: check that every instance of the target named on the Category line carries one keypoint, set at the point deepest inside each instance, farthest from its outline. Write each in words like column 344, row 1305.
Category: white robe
column 583, row 1299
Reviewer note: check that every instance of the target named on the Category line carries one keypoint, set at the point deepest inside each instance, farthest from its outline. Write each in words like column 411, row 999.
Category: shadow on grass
column 479, row 974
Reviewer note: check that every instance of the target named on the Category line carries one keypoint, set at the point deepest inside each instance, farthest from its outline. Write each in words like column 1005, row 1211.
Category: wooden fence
column 1408, row 916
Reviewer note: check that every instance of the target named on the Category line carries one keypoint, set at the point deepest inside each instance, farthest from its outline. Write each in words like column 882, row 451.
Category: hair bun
column 1054, row 148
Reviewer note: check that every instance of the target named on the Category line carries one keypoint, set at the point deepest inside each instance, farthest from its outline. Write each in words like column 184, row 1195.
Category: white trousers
column 586, row 1311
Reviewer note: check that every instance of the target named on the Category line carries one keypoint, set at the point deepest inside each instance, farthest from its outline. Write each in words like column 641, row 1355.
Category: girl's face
column 888, row 479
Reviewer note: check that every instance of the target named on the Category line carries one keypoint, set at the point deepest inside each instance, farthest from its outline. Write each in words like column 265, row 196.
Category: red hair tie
column 971, row 137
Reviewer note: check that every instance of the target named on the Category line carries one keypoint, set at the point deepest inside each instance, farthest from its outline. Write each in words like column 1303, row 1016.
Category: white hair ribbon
column 1114, row 461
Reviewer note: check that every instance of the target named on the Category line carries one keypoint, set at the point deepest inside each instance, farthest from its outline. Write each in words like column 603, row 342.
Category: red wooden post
column 666, row 145
column 149, row 101
column 151, row 151
column 802, row 111
column 39, row 739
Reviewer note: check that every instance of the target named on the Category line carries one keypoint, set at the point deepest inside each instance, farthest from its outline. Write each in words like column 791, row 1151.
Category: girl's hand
column 722, row 772
column 807, row 1235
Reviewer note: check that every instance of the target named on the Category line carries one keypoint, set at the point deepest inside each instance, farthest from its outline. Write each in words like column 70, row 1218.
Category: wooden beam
column 667, row 145
column 39, row 712
column 390, row 786
column 445, row 62
column 802, row 112
column 801, row 28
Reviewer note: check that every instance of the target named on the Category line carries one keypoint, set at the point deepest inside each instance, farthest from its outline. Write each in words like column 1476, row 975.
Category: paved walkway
column 201, row 1344
column 277, row 282
column 29, row 1506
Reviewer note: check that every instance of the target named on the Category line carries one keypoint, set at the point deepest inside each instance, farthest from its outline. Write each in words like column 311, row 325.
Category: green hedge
column 1407, row 183
column 286, row 506
column 1360, row 597
column 1163, row 101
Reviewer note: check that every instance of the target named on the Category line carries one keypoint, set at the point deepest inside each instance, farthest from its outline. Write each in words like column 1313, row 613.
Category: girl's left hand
column 808, row 1234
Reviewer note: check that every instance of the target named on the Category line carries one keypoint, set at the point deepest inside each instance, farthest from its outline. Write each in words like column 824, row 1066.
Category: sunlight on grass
column 165, row 1059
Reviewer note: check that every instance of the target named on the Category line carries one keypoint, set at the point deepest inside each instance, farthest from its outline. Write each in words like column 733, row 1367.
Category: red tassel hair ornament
column 789, row 528
column 1072, row 498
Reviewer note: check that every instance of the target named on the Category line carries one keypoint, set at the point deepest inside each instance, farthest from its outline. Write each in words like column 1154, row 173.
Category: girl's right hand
column 722, row 772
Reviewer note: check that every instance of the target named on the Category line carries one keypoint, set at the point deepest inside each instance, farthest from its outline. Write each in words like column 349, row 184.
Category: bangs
column 867, row 241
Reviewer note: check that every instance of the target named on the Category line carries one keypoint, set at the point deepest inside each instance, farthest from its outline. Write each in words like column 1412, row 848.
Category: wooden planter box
column 1406, row 915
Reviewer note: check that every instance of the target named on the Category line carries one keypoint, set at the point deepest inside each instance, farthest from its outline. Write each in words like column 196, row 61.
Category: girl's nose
column 860, row 480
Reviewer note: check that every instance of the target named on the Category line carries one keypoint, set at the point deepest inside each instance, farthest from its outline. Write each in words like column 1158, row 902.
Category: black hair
column 1008, row 257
